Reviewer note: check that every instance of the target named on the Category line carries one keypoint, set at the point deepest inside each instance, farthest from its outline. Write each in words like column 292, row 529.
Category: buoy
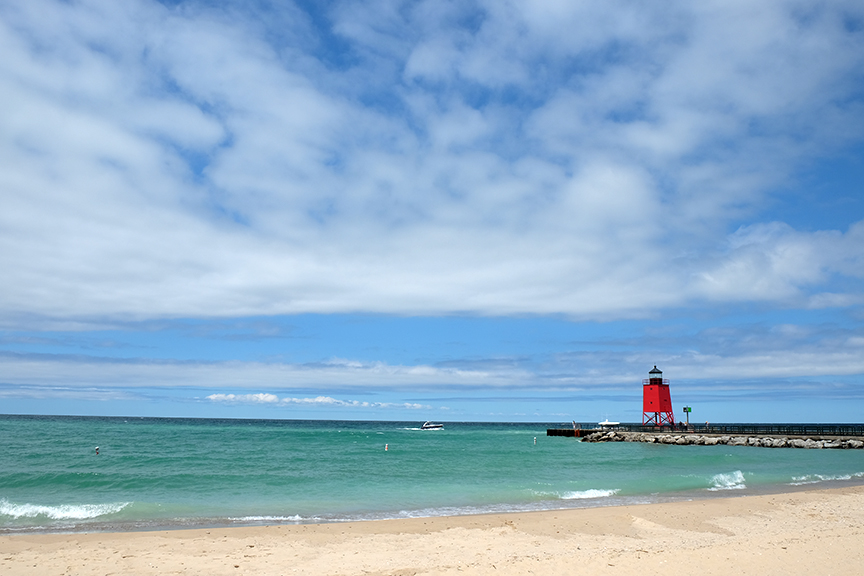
column 386, row 447
column 97, row 450
column 535, row 440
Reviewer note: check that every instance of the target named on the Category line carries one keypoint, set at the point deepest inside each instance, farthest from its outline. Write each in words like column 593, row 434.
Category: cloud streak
column 325, row 401
column 579, row 371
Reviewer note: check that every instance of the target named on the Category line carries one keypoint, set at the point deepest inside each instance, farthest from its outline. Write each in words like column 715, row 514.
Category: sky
column 432, row 210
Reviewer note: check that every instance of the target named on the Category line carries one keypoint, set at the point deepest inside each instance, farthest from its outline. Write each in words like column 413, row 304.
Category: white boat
column 431, row 426
column 607, row 423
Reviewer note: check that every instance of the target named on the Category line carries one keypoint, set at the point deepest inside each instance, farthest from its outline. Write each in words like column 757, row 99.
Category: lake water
column 174, row 473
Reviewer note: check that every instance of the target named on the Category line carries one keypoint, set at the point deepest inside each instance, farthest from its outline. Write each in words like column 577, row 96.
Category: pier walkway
column 788, row 430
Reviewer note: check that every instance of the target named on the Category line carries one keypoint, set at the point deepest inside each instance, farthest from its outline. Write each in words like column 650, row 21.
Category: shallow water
column 165, row 473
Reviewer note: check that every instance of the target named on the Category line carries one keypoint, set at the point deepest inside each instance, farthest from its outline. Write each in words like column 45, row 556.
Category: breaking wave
column 730, row 481
column 816, row 478
column 584, row 494
column 61, row 512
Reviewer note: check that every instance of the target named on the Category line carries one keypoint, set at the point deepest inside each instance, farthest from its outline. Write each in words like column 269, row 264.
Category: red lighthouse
column 656, row 402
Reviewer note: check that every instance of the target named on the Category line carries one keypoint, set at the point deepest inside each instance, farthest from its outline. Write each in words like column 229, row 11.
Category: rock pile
column 709, row 440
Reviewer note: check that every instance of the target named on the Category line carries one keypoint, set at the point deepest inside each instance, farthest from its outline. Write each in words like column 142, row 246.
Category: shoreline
column 810, row 529
column 587, row 503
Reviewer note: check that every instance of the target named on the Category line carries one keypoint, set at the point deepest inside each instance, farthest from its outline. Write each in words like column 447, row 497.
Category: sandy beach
column 810, row 532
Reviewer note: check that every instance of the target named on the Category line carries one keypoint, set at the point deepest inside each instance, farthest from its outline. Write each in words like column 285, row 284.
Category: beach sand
column 811, row 532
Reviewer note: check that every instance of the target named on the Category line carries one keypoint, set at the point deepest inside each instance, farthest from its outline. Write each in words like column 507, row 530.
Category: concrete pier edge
column 689, row 438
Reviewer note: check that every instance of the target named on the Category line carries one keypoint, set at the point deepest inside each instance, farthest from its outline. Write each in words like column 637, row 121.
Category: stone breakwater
column 683, row 439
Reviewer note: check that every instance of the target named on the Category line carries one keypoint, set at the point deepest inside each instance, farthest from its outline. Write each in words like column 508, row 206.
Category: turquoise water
column 163, row 473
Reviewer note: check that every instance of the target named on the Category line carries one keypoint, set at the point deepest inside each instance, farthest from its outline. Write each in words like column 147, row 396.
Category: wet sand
column 811, row 532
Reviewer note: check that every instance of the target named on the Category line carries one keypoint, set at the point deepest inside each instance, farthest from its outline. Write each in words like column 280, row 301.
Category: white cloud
column 773, row 261
column 543, row 158
column 260, row 398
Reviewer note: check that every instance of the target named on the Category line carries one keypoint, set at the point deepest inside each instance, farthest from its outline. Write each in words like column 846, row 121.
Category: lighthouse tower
column 656, row 402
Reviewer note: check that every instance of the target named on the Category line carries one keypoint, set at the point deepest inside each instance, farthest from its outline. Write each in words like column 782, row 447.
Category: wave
column 276, row 519
column 730, row 481
column 61, row 512
column 585, row 494
column 816, row 478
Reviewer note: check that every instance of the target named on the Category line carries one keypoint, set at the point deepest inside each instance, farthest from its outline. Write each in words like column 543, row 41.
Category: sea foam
column 275, row 519
column 730, row 481
column 62, row 512
column 584, row 494
column 816, row 478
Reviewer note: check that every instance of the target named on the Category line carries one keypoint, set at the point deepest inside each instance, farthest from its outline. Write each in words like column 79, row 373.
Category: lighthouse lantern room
column 656, row 402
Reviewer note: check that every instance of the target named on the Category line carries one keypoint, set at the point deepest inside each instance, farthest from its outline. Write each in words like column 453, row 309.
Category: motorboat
column 431, row 426
column 607, row 424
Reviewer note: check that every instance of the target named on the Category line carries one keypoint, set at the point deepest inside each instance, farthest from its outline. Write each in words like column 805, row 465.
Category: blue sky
column 432, row 210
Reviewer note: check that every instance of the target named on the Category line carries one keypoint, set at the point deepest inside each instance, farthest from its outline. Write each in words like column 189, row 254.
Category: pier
column 788, row 430
column 570, row 432
column 658, row 425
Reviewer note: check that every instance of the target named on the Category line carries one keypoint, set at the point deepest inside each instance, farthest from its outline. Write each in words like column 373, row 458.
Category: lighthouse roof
column 655, row 370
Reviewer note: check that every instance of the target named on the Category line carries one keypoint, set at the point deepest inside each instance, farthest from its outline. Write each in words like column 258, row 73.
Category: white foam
column 584, row 494
column 61, row 512
column 294, row 518
column 816, row 478
column 730, row 481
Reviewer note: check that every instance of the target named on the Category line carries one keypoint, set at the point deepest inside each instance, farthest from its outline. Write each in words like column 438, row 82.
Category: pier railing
column 724, row 428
